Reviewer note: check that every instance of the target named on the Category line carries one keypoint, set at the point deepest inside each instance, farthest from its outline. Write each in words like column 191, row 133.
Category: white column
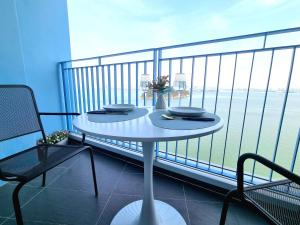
column 148, row 215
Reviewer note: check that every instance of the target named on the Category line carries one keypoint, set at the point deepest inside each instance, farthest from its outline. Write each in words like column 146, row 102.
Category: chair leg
column 16, row 203
column 83, row 139
column 94, row 171
column 226, row 206
column 44, row 179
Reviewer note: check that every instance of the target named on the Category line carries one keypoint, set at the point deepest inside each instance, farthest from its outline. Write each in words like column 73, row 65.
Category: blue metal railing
column 253, row 85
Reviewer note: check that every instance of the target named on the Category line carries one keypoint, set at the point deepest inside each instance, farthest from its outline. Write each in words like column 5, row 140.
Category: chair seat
column 278, row 200
column 32, row 162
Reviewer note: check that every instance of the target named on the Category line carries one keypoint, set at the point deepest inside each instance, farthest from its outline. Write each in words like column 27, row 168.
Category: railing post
column 99, row 61
column 154, row 72
column 157, row 53
column 265, row 40
column 63, row 92
column 295, row 152
column 283, row 108
column 158, row 75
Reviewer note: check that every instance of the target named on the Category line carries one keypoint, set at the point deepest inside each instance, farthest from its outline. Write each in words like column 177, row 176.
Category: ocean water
column 267, row 123
column 260, row 132
column 260, row 127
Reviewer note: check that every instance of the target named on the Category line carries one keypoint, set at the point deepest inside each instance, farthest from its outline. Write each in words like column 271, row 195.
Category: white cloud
column 270, row 3
column 218, row 22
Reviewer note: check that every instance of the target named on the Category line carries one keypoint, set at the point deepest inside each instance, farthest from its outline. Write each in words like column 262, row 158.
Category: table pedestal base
column 165, row 214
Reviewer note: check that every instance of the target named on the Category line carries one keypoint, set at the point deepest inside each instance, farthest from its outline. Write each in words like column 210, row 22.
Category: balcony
column 250, row 81
column 68, row 197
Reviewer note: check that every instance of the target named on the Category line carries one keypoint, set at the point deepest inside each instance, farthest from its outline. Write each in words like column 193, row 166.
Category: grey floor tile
column 133, row 168
column 2, row 219
column 196, row 193
column 76, row 178
column 179, row 205
column 50, row 177
column 246, row 216
column 102, row 161
column 79, row 176
column 65, row 207
column 116, row 203
column 72, row 160
column 207, row 213
column 105, row 162
column 13, row 222
column 130, row 184
column 164, row 187
column 6, row 206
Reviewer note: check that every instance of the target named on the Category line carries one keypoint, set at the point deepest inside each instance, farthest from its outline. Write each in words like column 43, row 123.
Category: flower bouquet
column 161, row 87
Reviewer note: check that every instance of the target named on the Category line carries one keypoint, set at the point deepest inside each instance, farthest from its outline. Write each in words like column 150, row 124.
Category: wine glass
column 144, row 84
column 179, row 84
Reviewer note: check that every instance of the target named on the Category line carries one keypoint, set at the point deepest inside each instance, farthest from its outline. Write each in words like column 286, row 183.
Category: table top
column 140, row 129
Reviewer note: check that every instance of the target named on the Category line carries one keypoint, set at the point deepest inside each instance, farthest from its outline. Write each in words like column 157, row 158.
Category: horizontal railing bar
column 128, row 62
column 80, row 67
column 198, row 56
column 239, row 37
column 110, row 55
column 206, row 170
column 111, row 64
column 167, row 159
column 232, row 52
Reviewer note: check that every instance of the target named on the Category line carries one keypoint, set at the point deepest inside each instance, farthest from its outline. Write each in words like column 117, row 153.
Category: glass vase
column 160, row 102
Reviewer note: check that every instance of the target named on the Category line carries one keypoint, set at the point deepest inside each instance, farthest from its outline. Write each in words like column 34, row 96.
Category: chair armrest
column 240, row 169
column 58, row 114
column 4, row 178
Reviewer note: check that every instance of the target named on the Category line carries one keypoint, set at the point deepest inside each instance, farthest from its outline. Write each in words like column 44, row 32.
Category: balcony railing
column 251, row 81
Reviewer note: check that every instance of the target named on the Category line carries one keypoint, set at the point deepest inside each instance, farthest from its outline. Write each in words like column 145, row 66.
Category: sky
column 99, row 27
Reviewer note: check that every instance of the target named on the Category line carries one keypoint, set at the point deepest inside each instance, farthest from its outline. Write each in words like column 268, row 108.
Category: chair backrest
column 18, row 112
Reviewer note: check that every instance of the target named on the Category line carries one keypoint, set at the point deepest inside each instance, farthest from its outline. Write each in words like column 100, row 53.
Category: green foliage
column 160, row 85
column 54, row 137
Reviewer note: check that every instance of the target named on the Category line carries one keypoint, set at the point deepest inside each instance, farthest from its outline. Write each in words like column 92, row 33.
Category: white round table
column 147, row 211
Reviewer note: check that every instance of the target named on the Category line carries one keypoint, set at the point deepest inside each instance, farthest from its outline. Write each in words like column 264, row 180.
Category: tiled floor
column 69, row 198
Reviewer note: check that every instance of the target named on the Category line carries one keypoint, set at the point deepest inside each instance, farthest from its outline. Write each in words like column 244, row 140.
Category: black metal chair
column 19, row 116
column 278, row 202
